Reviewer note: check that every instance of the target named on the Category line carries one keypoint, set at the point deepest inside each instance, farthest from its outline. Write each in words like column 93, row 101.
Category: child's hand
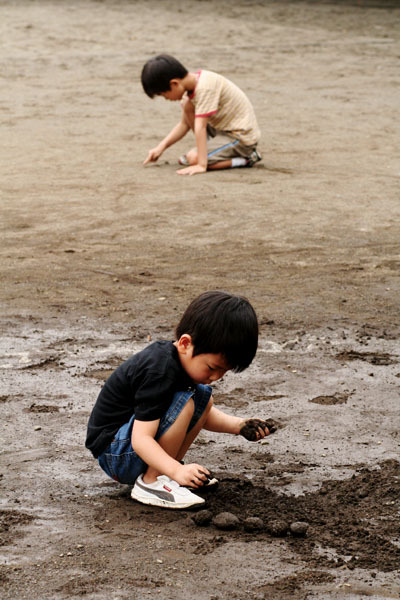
column 153, row 155
column 256, row 429
column 192, row 475
column 192, row 170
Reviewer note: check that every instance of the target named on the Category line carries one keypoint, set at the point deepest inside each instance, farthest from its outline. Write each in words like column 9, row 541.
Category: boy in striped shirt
column 215, row 109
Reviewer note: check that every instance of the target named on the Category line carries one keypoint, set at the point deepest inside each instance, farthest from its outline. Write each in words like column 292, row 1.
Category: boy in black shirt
column 153, row 406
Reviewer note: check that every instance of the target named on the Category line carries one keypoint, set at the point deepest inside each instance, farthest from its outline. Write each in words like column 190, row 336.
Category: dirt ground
column 99, row 255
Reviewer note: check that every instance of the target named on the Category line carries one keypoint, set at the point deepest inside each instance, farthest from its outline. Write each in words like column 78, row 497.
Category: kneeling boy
column 215, row 109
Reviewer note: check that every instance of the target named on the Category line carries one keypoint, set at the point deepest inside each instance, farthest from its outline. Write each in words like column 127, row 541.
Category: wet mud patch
column 241, row 397
column 99, row 374
column 373, row 358
column 10, row 522
column 328, row 400
column 286, row 587
column 235, row 400
column 357, row 517
column 262, row 457
column 42, row 408
column 104, row 369
column 49, row 362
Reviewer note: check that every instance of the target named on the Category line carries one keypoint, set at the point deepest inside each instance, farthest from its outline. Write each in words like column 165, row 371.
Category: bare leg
column 222, row 164
column 188, row 115
column 194, row 432
column 173, row 439
column 176, row 440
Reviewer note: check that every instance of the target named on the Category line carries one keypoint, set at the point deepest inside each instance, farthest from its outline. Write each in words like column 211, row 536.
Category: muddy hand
column 271, row 424
column 256, row 429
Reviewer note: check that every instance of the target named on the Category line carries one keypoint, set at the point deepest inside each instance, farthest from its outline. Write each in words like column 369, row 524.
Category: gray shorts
column 222, row 147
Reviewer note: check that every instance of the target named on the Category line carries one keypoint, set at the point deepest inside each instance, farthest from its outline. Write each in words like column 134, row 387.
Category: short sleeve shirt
column 227, row 107
column 144, row 385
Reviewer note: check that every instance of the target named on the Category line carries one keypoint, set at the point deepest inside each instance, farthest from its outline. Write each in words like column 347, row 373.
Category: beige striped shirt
column 227, row 107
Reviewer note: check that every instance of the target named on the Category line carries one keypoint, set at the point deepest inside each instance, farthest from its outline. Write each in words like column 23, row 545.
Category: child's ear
column 173, row 83
column 184, row 343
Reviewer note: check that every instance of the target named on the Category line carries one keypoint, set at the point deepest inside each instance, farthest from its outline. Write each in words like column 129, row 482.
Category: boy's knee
column 191, row 157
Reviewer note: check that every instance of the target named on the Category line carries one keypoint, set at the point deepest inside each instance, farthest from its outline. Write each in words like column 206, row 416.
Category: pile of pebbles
column 228, row 521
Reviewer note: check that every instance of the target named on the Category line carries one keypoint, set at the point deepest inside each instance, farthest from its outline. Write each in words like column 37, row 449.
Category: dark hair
column 158, row 72
column 221, row 323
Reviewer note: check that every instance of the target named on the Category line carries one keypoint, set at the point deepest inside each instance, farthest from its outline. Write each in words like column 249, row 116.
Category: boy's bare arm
column 220, row 422
column 177, row 133
column 200, row 132
column 149, row 450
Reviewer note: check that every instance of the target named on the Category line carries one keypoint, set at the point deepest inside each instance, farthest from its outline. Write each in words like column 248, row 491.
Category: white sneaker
column 164, row 492
column 253, row 158
column 182, row 160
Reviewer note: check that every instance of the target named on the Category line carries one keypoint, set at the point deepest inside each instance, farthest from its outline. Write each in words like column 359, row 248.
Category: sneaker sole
column 154, row 501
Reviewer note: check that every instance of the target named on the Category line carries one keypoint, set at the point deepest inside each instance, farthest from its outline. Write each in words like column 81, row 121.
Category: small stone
column 226, row 520
column 277, row 528
column 37, row 428
column 253, row 524
column 202, row 518
column 299, row 528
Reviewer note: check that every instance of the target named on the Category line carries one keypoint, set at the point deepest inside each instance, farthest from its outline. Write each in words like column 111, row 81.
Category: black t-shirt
column 143, row 385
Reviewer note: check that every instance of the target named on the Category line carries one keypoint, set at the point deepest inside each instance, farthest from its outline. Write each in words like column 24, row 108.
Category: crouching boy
column 154, row 405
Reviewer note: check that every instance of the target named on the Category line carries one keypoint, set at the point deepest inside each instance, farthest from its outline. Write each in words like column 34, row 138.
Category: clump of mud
column 10, row 520
column 337, row 398
column 356, row 517
column 374, row 358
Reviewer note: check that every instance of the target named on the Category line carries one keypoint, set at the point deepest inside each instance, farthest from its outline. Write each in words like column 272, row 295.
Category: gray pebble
column 226, row 520
column 253, row 524
column 299, row 528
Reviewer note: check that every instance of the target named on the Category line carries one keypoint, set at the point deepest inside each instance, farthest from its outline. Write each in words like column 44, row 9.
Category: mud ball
column 299, row 528
column 253, row 524
column 202, row 518
column 277, row 528
column 226, row 520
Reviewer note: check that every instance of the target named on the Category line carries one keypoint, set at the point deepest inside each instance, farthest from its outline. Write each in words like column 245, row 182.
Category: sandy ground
column 99, row 255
